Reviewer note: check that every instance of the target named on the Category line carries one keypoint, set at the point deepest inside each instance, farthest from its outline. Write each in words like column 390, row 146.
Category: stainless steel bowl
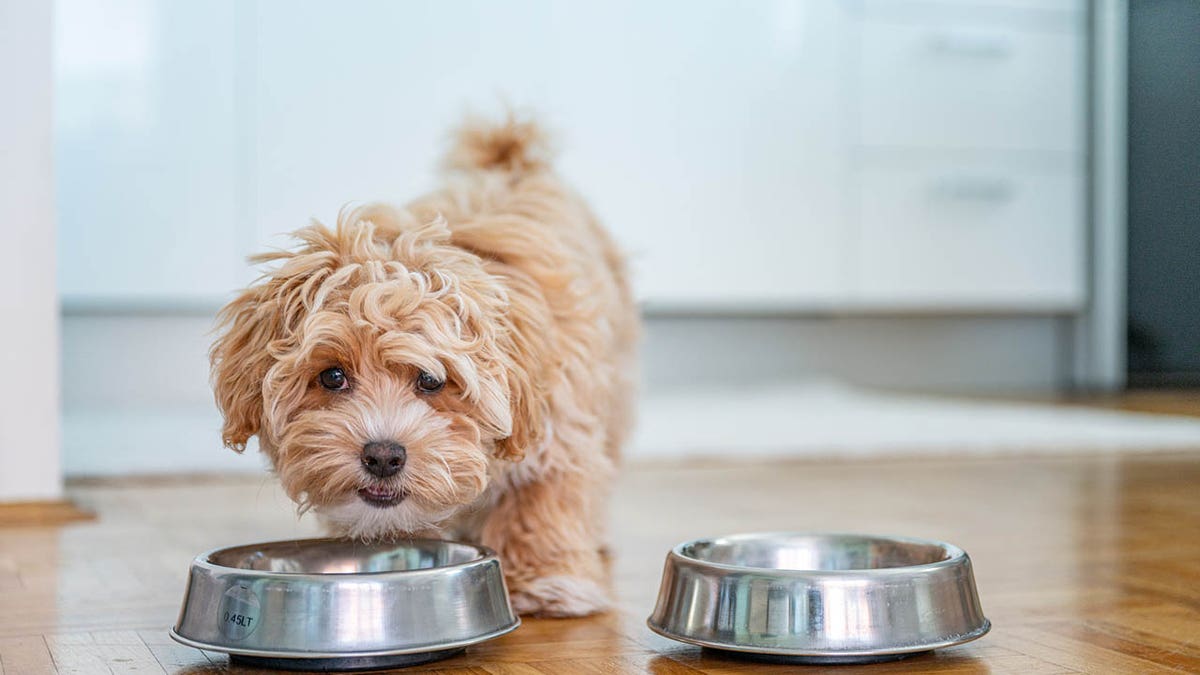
column 330, row 604
column 826, row 598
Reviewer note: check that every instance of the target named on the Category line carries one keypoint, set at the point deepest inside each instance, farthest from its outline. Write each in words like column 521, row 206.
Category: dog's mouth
column 381, row 496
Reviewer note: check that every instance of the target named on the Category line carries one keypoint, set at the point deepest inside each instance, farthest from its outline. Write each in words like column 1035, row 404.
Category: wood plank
column 117, row 652
column 512, row 669
column 28, row 654
column 1061, row 644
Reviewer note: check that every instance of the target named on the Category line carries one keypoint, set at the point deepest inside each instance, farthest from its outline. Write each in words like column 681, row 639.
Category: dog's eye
column 333, row 379
column 429, row 384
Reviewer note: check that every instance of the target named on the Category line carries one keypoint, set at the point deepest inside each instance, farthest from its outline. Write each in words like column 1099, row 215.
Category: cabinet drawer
column 960, row 86
column 970, row 237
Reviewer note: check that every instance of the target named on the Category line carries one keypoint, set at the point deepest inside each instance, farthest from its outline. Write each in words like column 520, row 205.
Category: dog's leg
column 546, row 535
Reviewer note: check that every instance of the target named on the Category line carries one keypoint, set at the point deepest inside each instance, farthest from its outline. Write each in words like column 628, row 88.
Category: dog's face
column 376, row 366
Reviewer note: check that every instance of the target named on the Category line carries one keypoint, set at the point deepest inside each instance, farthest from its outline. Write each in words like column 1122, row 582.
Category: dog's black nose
column 383, row 458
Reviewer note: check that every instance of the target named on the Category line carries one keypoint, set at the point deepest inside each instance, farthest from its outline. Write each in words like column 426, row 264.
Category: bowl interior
column 329, row 556
column 814, row 552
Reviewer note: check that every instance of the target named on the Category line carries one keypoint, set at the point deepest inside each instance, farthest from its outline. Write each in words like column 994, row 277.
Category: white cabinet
column 794, row 154
column 968, row 186
column 969, row 235
column 967, row 86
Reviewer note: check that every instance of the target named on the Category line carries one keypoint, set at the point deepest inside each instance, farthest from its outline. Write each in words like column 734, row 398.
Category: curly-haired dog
column 460, row 367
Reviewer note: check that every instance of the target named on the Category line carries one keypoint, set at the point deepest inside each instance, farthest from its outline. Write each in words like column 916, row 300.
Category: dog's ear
column 528, row 411
column 510, row 326
column 528, row 355
column 239, row 361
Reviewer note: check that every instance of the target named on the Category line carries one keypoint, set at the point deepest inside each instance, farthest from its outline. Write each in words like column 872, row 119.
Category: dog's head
column 382, row 369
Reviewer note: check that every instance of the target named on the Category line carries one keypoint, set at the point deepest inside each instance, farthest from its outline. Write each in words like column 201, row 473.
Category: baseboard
column 42, row 513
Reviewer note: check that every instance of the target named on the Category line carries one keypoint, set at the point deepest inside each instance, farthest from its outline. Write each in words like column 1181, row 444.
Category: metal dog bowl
column 819, row 598
column 330, row 604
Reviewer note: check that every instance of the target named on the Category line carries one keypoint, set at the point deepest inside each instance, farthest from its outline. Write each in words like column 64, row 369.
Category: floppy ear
column 526, row 347
column 527, row 404
column 239, row 361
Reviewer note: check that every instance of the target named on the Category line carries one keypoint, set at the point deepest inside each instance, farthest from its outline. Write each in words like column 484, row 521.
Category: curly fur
column 504, row 285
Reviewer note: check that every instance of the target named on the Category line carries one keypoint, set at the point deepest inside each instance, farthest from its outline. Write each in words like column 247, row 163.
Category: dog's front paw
column 560, row 596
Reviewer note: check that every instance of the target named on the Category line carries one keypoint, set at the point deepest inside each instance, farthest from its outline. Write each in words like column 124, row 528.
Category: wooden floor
column 1083, row 564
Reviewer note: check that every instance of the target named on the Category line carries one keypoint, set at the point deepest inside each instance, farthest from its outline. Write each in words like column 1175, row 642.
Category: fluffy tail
column 512, row 145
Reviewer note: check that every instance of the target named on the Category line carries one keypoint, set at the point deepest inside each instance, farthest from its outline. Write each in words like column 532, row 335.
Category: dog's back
column 503, row 201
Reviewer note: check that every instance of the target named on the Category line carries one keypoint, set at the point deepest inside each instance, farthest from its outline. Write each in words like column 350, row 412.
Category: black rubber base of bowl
column 809, row 660
column 342, row 665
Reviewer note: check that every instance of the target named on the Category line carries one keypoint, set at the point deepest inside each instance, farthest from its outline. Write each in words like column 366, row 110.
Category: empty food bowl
column 819, row 598
column 331, row 604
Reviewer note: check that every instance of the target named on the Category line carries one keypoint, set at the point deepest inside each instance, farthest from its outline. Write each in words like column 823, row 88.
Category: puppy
column 461, row 367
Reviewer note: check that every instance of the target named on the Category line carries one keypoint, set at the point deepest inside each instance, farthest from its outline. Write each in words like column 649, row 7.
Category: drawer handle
column 970, row 46
column 992, row 190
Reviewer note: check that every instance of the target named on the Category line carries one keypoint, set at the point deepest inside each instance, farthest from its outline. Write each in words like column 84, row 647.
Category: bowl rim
column 956, row 555
column 202, row 560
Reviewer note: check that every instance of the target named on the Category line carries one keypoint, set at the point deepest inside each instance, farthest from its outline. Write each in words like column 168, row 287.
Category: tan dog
column 462, row 367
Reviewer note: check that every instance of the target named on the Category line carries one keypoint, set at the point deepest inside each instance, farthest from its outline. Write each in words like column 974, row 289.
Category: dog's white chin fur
column 355, row 518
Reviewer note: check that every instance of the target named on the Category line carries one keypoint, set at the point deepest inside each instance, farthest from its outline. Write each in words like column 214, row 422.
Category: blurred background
column 854, row 224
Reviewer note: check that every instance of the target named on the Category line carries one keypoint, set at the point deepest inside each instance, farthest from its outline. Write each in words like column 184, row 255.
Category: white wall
column 145, row 149
column 29, row 431
column 193, row 133
column 684, row 124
